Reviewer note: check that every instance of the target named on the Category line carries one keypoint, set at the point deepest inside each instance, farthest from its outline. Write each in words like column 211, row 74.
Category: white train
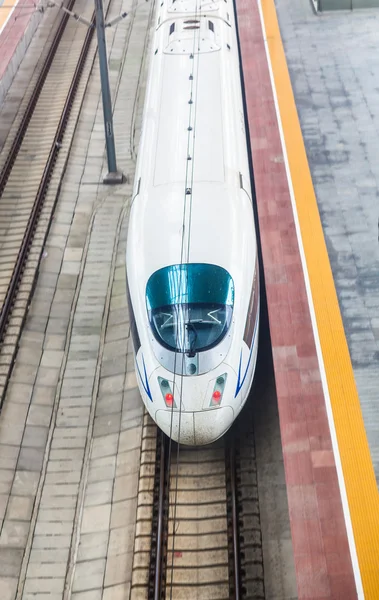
column 192, row 266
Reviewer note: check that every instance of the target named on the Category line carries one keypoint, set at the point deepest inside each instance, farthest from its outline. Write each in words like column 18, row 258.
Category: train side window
column 172, row 28
column 211, row 26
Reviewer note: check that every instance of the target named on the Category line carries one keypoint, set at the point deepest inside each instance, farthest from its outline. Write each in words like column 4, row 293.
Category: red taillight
column 167, row 392
column 216, row 398
column 169, row 399
column 218, row 391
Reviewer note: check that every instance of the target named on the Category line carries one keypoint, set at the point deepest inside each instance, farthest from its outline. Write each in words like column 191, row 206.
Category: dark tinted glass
column 190, row 306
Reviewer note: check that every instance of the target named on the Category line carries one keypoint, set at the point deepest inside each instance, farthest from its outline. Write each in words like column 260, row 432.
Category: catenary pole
column 113, row 176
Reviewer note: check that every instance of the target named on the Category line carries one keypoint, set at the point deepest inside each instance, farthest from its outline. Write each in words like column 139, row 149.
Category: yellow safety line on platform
column 359, row 476
column 6, row 8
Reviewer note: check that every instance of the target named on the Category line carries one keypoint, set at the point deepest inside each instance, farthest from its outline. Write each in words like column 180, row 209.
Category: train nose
column 212, row 424
column 195, row 428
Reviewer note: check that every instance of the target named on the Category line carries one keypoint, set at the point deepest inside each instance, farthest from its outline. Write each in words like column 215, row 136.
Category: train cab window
column 172, row 28
column 190, row 306
column 211, row 26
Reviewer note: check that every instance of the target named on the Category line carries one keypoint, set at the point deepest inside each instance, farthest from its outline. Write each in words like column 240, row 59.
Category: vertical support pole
column 113, row 175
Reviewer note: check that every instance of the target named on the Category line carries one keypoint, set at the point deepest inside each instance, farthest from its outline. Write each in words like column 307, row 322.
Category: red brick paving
column 322, row 558
column 13, row 32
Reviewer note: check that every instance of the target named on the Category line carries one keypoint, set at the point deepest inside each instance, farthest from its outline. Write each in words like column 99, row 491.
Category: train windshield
column 190, row 306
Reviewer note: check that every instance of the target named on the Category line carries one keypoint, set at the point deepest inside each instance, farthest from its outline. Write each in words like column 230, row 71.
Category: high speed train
column 192, row 268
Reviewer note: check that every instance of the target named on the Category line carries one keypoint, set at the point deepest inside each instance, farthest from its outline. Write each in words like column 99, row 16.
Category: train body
column 192, row 268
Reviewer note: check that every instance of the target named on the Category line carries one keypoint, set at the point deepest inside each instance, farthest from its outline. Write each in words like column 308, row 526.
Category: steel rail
column 160, row 524
column 38, row 203
column 5, row 172
column 234, row 521
column 161, row 517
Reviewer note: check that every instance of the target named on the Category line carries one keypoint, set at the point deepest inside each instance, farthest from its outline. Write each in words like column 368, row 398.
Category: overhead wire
column 187, row 206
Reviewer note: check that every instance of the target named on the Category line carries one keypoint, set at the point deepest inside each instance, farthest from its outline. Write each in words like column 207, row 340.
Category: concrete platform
column 18, row 24
column 335, row 78
column 332, row 493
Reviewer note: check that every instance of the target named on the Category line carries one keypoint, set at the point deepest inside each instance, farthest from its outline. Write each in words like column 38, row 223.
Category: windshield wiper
column 191, row 327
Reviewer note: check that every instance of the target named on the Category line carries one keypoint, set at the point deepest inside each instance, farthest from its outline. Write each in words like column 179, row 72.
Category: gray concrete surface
column 324, row 5
column 334, row 71
column 20, row 52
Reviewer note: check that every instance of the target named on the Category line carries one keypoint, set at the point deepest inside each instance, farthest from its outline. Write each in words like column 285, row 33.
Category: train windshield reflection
column 190, row 306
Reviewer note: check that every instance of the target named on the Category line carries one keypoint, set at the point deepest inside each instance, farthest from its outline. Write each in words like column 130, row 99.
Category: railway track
column 31, row 175
column 198, row 529
column 32, row 166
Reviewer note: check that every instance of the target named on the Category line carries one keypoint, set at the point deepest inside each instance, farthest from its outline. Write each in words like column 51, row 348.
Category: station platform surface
column 335, row 91
column 19, row 20
column 332, row 490
column 5, row 12
column 15, row 16
column 70, row 428
column 71, row 423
